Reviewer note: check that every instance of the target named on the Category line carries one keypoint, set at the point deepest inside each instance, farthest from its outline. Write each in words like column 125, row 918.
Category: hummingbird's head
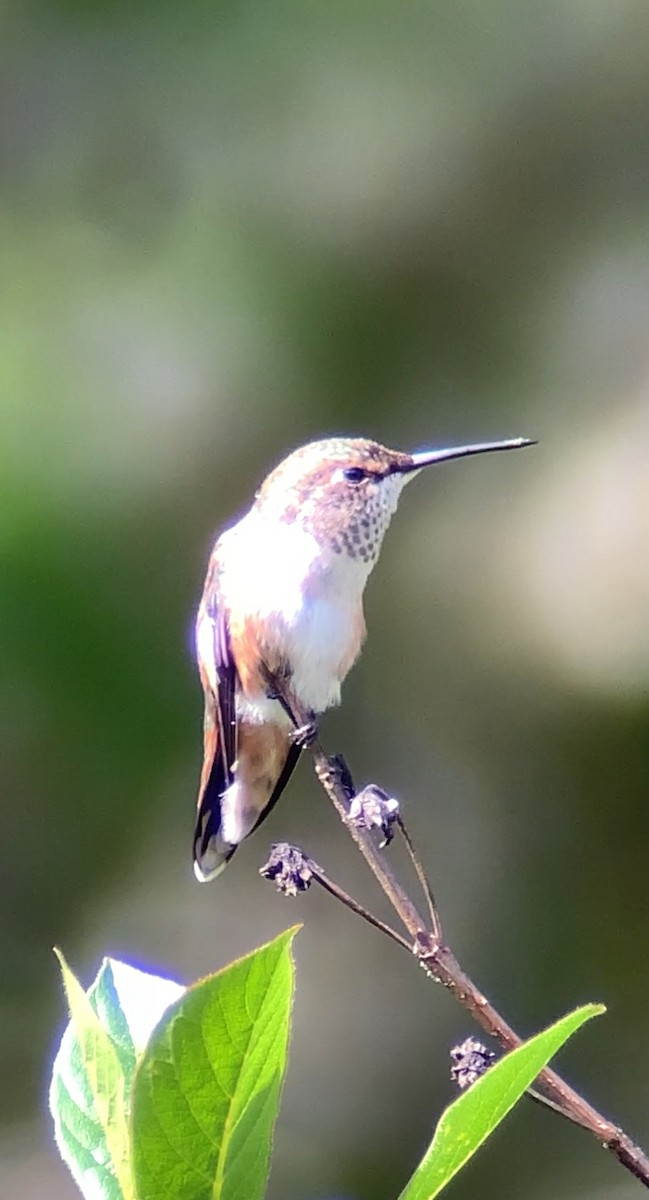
column 342, row 490
column 345, row 490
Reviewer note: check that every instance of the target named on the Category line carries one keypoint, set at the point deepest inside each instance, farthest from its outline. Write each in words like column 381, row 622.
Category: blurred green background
column 229, row 228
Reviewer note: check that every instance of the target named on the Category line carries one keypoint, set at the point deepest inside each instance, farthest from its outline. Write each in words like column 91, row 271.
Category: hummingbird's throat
column 361, row 527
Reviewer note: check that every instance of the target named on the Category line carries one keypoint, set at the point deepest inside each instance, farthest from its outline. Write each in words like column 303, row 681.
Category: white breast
column 305, row 598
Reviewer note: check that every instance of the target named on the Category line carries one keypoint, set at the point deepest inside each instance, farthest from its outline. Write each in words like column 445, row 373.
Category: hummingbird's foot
column 305, row 735
column 305, row 729
column 276, row 693
column 374, row 809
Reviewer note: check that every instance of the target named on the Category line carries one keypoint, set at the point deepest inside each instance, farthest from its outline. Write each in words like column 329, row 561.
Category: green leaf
column 93, row 1072
column 130, row 1003
column 103, row 1127
column 207, row 1089
column 467, row 1122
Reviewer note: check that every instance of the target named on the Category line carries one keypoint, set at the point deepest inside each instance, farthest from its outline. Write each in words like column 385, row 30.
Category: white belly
column 318, row 641
column 306, row 600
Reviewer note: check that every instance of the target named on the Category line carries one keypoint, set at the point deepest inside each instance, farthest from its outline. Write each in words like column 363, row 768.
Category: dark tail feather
column 211, row 853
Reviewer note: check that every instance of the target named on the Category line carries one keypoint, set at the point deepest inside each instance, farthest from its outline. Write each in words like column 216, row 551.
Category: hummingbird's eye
column 354, row 474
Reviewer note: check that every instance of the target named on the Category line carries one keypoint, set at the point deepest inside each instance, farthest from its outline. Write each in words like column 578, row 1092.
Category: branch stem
column 349, row 902
column 424, row 882
column 441, row 965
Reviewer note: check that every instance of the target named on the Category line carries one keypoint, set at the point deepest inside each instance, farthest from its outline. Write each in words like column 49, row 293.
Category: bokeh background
column 229, row 228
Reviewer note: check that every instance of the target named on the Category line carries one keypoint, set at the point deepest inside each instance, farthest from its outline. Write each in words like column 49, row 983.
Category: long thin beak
column 427, row 457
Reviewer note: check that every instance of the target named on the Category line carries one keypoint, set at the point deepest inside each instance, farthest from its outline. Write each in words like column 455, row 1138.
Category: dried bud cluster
column 374, row 809
column 470, row 1060
column 289, row 868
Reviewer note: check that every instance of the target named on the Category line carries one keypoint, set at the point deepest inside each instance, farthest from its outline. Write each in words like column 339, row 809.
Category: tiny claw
column 304, row 735
column 289, row 868
column 470, row 1060
column 372, row 808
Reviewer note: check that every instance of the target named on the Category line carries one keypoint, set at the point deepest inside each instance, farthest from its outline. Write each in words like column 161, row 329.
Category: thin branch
column 292, row 872
column 435, row 919
column 349, row 902
column 442, row 966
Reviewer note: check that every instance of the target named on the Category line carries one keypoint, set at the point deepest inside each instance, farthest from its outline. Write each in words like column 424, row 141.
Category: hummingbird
column 280, row 622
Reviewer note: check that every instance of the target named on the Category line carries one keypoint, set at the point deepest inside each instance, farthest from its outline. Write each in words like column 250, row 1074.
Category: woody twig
column 428, row 947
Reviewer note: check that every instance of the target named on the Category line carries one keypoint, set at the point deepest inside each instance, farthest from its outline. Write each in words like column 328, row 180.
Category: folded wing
column 246, row 765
